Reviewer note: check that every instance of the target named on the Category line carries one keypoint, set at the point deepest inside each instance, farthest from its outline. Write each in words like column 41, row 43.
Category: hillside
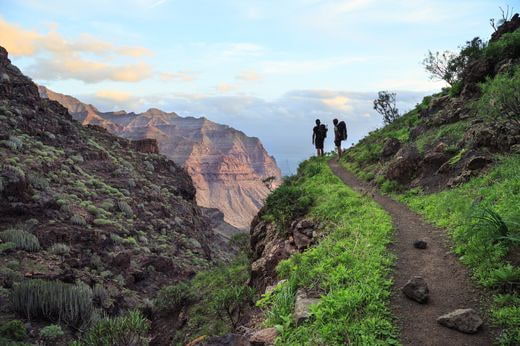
column 90, row 223
column 227, row 167
column 420, row 248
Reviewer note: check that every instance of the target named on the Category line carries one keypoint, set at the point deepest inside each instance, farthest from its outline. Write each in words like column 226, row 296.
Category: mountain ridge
column 226, row 165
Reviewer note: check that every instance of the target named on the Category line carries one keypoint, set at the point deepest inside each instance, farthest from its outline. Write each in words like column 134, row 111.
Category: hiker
column 340, row 134
column 319, row 133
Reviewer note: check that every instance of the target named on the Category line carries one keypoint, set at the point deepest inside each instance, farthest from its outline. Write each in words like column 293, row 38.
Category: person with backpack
column 319, row 133
column 340, row 134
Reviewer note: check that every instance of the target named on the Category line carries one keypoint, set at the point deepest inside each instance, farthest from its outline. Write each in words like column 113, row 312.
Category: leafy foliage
column 51, row 332
column 285, row 204
column 501, row 98
column 13, row 330
column 129, row 329
column 385, row 105
column 23, row 240
column 54, row 301
column 218, row 299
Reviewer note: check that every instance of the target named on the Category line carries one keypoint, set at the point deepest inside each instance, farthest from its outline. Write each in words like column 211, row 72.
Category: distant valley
column 227, row 167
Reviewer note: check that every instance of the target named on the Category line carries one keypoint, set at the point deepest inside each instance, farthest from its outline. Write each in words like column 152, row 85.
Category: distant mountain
column 227, row 167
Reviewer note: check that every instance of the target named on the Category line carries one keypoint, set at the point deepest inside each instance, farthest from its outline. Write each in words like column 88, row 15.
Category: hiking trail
column 449, row 281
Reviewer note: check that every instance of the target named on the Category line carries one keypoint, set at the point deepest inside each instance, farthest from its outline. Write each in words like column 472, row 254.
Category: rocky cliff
column 227, row 167
column 80, row 205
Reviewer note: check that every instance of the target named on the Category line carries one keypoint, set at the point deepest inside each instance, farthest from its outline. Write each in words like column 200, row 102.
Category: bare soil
column 450, row 284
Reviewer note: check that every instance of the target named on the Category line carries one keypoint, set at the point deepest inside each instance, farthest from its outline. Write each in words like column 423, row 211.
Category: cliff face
column 227, row 167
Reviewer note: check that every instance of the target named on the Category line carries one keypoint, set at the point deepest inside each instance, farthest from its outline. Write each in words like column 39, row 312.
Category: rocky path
column 448, row 280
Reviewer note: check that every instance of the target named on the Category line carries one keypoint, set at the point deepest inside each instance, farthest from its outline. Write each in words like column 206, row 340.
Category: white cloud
column 248, row 76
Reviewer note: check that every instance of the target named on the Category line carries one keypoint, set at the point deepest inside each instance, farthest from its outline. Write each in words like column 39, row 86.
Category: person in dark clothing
column 340, row 134
column 319, row 133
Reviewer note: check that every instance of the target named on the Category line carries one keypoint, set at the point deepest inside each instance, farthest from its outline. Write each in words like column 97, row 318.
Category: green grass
column 350, row 266
column 482, row 218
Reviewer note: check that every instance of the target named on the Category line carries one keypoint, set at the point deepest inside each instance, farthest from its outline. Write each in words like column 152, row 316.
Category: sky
column 266, row 67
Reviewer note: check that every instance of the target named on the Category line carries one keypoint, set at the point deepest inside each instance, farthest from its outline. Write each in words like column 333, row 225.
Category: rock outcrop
column 227, row 167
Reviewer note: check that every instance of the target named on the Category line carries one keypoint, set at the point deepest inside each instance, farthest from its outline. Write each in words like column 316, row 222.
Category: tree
column 442, row 66
column 506, row 16
column 385, row 105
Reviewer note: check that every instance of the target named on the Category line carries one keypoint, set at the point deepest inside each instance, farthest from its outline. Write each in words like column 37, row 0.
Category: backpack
column 322, row 130
column 342, row 128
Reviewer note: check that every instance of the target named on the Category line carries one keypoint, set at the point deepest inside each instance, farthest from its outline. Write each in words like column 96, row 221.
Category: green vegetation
column 501, row 96
column 54, row 301
column 482, row 217
column 60, row 249
column 51, row 333
column 129, row 329
column 13, row 330
column 286, row 203
column 353, row 282
column 22, row 239
column 217, row 299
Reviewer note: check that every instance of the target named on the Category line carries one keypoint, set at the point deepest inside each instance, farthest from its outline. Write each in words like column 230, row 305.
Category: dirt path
column 448, row 280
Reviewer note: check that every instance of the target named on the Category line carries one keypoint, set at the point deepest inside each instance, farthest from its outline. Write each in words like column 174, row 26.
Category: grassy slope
column 481, row 245
column 350, row 267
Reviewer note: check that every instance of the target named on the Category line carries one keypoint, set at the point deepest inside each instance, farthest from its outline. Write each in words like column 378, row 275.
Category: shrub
column 500, row 98
column 171, row 298
column 285, row 204
column 13, row 143
column 60, row 249
column 38, row 181
column 51, row 332
column 102, row 222
column 23, row 240
column 508, row 46
column 125, row 208
column 7, row 246
column 54, row 301
column 14, row 330
column 77, row 219
column 129, row 329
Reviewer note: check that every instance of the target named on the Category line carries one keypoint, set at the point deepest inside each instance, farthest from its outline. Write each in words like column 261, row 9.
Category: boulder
column 460, row 179
column 420, row 244
column 391, row 146
column 440, row 147
column 463, row 320
column 404, row 165
column 264, row 337
column 477, row 162
column 301, row 240
column 302, row 306
column 416, row 289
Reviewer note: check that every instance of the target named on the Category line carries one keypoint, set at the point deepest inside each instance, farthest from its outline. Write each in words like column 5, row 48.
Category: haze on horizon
column 265, row 67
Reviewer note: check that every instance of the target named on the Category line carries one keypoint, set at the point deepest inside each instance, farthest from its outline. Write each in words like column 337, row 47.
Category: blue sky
column 266, row 67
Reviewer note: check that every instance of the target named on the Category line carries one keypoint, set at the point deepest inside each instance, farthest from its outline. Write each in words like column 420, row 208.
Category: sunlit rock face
column 227, row 167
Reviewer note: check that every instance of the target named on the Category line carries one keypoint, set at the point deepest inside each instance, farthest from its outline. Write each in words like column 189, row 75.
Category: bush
column 125, row 208
column 60, row 249
column 14, row 330
column 77, row 219
column 501, row 98
column 7, row 246
column 285, row 204
column 54, row 301
column 171, row 298
column 23, row 240
column 129, row 329
column 51, row 332
column 508, row 46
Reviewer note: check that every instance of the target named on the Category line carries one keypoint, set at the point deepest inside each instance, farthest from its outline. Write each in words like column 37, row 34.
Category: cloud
column 67, row 59
column 185, row 76
column 225, row 87
column 114, row 95
column 283, row 124
column 280, row 67
column 248, row 76
column 73, row 67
